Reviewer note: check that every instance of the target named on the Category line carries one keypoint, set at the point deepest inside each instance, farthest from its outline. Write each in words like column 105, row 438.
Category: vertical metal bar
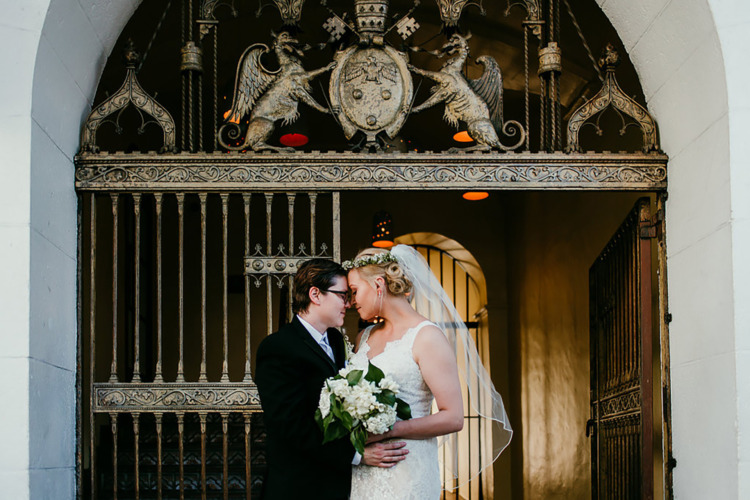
column 313, row 213
column 337, row 226
column 246, row 198
column 200, row 112
column 216, row 85
column 202, row 417
column 290, row 201
column 115, row 243
column 113, row 424
column 203, row 197
column 181, row 284
column 158, row 417
column 159, row 298
column 526, row 81
column 92, row 342
column 137, row 282
column 137, row 435
column 183, row 80
column 181, row 450
column 647, row 410
column 225, row 294
column 225, row 453
column 269, row 245
column 248, row 455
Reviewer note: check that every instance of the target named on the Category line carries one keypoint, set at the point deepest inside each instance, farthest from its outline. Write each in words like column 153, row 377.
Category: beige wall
column 553, row 238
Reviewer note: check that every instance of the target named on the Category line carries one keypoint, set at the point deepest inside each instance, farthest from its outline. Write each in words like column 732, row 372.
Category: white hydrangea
column 325, row 402
column 381, row 421
column 340, row 387
column 388, row 384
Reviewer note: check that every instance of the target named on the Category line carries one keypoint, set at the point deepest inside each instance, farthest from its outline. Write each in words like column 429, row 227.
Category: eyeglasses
column 346, row 296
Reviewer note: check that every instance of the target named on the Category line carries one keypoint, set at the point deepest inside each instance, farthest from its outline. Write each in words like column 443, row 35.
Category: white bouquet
column 356, row 402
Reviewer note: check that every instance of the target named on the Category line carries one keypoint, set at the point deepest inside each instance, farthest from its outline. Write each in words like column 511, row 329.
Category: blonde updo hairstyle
column 395, row 279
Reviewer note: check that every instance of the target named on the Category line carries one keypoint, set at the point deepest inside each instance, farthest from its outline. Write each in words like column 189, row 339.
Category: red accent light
column 294, row 140
column 475, row 195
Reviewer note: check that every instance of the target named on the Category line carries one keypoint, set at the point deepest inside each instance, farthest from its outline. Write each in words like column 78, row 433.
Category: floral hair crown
column 369, row 260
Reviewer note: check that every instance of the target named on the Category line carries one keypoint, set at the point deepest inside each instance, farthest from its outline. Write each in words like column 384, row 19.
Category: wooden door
column 621, row 423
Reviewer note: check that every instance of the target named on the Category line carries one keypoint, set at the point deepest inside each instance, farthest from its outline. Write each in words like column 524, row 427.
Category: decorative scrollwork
column 611, row 95
column 450, row 10
column 629, row 402
column 290, row 10
column 110, row 398
column 130, row 92
column 403, row 171
column 282, row 263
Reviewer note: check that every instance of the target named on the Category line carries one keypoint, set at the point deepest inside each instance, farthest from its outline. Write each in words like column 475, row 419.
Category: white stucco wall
column 691, row 58
column 52, row 55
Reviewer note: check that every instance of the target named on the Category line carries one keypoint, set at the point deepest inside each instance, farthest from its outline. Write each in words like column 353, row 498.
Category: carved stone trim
column 130, row 92
column 172, row 397
column 611, row 95
column 335, row 171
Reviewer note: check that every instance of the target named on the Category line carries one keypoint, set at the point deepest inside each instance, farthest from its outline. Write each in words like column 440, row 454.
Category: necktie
column 326, row 346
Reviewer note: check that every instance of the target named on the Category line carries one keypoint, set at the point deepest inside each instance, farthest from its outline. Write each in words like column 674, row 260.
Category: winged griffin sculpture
column 269, row 96
column 477, row 103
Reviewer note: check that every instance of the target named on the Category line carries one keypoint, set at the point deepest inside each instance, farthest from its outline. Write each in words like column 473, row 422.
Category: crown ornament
column 370, row 16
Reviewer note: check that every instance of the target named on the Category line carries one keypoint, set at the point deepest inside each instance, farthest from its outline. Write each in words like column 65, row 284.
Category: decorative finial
column 610, row 57
column 130, row 56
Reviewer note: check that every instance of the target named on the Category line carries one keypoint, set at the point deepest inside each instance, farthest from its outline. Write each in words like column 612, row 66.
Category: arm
column 437, row 361
column 282, row 395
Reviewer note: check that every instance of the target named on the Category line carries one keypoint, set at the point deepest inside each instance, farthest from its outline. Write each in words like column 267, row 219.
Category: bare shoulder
column 430, row 339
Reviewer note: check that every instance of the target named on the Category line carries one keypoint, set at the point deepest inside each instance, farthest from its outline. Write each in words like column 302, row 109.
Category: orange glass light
column 294, row 140
column 462, row 136
column 475, row 195
column 382, row 243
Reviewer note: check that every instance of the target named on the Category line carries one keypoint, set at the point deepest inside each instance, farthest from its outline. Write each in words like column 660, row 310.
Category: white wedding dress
column 418, row 476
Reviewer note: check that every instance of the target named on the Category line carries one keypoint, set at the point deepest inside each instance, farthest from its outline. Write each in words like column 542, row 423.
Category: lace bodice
column 417, row 477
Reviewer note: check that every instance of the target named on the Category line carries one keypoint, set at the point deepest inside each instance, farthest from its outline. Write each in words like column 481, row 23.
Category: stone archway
column 57, row 51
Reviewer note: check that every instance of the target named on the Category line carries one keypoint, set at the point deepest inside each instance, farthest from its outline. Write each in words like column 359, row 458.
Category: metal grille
column 177, row 290
column 621, row 360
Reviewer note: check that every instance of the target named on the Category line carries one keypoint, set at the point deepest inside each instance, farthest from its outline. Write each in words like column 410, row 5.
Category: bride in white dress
column 422, row 359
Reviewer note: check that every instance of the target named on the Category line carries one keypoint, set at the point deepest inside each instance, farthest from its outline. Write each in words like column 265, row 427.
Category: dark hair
column 318, row 273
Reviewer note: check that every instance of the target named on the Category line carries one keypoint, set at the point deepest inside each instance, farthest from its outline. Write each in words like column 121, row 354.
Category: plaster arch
column 690, row 60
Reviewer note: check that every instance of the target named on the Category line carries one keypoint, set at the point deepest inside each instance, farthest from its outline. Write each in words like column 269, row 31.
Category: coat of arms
column 370, row 91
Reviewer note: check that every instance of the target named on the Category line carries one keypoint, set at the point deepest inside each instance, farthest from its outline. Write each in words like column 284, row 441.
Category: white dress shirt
column 319, row 338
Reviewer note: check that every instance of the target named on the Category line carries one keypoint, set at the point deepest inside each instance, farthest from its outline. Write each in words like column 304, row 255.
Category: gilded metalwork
column 611, row 95
column 333, row 171
column 477, row 103
column 450, row 10
column 269, row 96
column 621, row 404
column 130, row 92
column 290, row 10
column 550, row 59
column 371, row 91
column 114, row 398
column 191, row 58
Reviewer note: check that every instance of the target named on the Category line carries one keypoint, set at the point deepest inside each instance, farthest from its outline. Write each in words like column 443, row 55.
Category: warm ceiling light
column 462, row 136
column 475, row 195
column 382, row 232
column 293, row 140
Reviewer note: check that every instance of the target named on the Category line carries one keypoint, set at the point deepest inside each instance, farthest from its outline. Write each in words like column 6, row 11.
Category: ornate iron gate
column 177, row 282
column 621, row 423
column 172, row 409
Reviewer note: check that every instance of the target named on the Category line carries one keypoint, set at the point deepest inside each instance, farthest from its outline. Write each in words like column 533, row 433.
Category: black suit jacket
column 290, row 369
